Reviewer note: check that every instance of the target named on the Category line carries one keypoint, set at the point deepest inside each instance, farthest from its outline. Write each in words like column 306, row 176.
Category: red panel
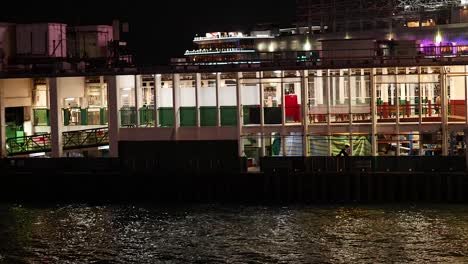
column 292, row 109
column 457, row 107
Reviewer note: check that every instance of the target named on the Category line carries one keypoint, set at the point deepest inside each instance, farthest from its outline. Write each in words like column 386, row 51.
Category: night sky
column 159, row 30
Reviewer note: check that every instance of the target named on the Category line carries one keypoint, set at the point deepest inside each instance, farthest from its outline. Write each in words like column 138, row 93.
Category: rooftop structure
column 57, row 47
column 358, row 15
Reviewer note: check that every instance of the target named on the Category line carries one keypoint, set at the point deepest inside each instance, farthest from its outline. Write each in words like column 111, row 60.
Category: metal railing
column 71, row 140
column 218, row 51
column 28, row 144
column 85, row 138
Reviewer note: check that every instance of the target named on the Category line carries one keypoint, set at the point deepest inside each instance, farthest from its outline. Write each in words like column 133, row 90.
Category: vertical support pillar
column 283, row 102
column 239, row 114
column 218, row 92
column 176, row 103
column 284, row 134
column 363, row 88
column 305, row 120
column 465, row 131
column 410, row 90
column 103, row 86
column 137, row 100
column 55, row 118
column 113, row 115
column 259, row 76
column 444, row 102
column 328, row 94
column 157, row 88
column 2, row 122
column 419, row 95
column 198, row 85
column 397, row 105
column 374, row 112
column 350, row 107
column 341, row 87
column 466, row 96
column 328, row 87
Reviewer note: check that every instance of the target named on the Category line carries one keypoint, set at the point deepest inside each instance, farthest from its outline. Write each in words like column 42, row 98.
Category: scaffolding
column 411, row 6
column 359, row 15
column 434, row 12
column 343, row 15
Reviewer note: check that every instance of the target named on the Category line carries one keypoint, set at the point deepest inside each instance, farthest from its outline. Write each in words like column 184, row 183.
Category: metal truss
column 409, row 6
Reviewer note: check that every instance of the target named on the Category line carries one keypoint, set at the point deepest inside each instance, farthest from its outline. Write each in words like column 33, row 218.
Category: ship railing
column 399, row 55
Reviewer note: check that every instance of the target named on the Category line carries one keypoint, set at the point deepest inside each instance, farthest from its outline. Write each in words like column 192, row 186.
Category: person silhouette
column 345, row 152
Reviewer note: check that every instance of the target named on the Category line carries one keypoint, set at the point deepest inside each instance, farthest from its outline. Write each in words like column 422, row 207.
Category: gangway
column 72, row 140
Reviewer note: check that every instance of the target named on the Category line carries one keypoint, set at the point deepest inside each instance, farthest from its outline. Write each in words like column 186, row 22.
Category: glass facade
column 227, row 99
column 390, row 111
column 165, row 103
column 250, row 98
column 127, row 103
column 146, row 100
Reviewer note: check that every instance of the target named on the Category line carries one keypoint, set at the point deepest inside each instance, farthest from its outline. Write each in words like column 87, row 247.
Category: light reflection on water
column 237, row 234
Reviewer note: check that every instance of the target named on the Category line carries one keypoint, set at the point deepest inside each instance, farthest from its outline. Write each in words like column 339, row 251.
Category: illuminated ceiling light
column 69, row 99
column 307, row 46
column 261, row 46
column 126, row 89
column 438, row 38
column 277, row 72
column 271, row 47
column 347, row 36
column 37, row 154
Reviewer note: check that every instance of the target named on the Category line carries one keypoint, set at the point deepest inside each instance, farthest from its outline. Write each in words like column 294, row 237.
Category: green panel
column 251, row 114
column 19, row 136
column 166, row 117
column 94, row 116
column 14, row 131
column 415, row 106
column 66, row 117
column 228, row 115
column 188, row 116
column 146, row 116
column 208, row 116
column 41, row 117
column 245, row 114
column 10, row 131
column 84, row 117
column 103, row 116
column 127, row 117
column 272, row 115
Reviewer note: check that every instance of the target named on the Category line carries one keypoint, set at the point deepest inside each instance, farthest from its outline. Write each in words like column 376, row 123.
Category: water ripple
column 217, row 234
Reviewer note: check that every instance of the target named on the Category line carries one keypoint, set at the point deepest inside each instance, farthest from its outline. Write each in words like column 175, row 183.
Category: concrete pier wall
column 114, row 180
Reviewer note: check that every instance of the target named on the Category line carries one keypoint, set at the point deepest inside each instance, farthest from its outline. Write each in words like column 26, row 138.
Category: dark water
column 221, row 234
